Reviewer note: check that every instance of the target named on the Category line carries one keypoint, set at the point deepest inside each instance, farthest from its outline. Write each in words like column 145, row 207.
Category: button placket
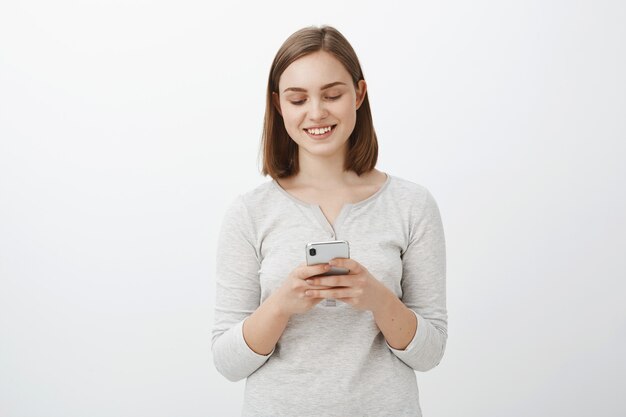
column 323, row 221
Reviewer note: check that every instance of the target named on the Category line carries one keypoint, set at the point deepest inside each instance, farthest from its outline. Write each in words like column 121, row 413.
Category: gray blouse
column 331, row 360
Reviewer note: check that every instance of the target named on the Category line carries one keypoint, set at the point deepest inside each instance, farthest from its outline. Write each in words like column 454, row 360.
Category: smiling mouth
column 319, row 131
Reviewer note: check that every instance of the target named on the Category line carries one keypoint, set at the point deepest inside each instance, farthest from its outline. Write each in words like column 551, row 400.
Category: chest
column 331, row 209
column 332, row 203
column 374, row 243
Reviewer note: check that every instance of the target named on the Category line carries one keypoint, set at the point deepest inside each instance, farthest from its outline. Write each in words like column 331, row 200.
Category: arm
column 267, row 324
column 414, row 326
column 423, row 295
column 238, row 295
column 245, row 333
column 395, row 320
column 264, row 327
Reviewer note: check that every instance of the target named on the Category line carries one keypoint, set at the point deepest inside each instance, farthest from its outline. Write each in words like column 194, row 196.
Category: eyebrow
column 303, row 90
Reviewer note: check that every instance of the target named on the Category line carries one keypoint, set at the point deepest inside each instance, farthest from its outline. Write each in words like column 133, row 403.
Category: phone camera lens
column 312, row 252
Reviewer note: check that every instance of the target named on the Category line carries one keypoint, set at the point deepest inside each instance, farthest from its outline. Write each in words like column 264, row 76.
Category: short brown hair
column 280, row 152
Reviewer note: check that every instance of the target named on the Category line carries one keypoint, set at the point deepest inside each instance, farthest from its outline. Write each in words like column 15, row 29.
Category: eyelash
column 299, row 102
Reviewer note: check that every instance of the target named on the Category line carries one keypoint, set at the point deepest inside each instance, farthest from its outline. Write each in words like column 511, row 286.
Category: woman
column 302, row 357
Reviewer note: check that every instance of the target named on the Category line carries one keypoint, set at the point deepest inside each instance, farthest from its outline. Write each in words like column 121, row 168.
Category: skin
column 303, row 102
column 336, row 105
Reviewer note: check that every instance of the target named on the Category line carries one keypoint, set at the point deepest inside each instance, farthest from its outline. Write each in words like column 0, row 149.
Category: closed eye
column 300, row 102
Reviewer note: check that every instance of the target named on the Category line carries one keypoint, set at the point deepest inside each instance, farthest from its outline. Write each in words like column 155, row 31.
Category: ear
column 361, row 90
column 276, row 101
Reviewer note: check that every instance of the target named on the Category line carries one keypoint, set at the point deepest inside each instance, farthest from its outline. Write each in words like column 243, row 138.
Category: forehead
column 314, row 70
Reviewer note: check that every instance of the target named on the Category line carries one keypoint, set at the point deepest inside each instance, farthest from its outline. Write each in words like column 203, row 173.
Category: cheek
column 291, row 125
column 346, row 107
column 348, row 114
column 291, row 117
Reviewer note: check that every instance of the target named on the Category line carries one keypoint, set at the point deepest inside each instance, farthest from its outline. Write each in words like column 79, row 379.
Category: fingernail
column 307, row 293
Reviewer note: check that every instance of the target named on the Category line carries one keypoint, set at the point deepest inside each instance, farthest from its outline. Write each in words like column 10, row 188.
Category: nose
column 317, row 110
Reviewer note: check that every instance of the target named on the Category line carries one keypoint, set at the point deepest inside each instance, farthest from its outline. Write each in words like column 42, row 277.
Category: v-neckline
column 332, row 228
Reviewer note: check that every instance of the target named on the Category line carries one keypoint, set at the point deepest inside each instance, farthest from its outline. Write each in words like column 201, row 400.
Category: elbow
column 427, row 365
column 223, row 362
column 423, row 361
column 228, row 374
column 434, row 357
column 232, row 357
column 223, row 367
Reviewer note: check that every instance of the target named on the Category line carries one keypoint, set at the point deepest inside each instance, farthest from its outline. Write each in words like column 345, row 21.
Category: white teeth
column 319, row 131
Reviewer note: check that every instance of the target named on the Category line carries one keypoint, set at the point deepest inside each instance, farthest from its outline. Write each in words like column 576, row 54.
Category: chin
column 325, row 150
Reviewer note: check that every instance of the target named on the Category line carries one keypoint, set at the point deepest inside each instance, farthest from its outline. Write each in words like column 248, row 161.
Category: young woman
column 302, row 356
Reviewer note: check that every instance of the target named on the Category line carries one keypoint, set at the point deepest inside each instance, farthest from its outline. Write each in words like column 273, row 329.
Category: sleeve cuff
column 418, row 341
column 246, row 349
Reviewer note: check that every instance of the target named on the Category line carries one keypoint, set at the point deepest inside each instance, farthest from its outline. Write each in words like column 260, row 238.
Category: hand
column 290, row 295
column 358, row 288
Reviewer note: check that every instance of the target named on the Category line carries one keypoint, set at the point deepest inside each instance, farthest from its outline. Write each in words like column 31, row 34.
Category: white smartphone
column 322, row 252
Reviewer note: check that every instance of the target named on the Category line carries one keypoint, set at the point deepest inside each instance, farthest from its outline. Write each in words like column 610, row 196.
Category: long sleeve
column 334, row 353
column 238, row 294
column 424, row 288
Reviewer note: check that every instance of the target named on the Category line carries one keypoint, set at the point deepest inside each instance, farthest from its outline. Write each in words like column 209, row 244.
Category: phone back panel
column 325, row 251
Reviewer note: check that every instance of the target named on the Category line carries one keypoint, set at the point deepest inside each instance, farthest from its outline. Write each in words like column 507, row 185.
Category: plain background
column 127, row 127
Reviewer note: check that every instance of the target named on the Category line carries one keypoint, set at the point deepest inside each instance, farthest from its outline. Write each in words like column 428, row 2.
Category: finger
column 330, row 293
column 309, row 271
column 350, row 264
column 318, row 287
column 332, row 281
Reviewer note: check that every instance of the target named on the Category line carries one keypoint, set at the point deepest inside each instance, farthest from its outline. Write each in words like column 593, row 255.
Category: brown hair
column 280, row 152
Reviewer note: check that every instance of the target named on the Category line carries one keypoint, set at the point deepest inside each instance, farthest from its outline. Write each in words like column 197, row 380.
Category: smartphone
column 322, row 252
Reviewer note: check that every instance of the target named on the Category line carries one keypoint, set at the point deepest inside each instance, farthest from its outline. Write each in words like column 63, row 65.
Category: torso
column 332, row 200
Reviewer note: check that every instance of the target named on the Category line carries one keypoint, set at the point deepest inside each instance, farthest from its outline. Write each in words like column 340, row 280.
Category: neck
column 323, row 171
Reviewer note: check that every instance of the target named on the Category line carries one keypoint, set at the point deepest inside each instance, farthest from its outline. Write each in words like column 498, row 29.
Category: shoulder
column 259, row 195
column 418, row 205
column 408, row 192
column 254, row 200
